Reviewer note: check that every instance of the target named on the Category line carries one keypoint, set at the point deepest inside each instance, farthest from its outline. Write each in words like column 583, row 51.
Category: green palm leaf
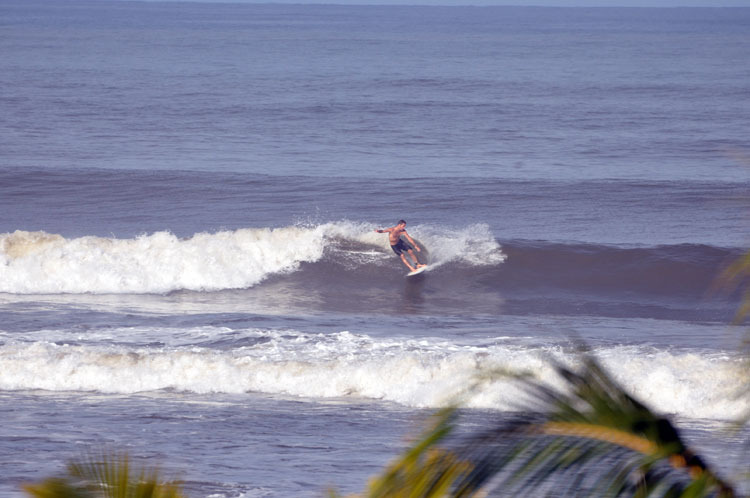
column 425, row 469
column 109, row 476
column 589, row 439
column 595, row 427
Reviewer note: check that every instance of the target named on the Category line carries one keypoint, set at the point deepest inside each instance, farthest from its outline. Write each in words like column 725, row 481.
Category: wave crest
column 155, row 263
column 42, row 263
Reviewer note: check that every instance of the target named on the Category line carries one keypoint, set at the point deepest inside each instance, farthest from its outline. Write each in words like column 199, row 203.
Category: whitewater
column 43, row 263
column 419, row 373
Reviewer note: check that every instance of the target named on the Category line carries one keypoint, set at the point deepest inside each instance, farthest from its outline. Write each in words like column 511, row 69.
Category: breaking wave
column 423, row 372
column 43, row 263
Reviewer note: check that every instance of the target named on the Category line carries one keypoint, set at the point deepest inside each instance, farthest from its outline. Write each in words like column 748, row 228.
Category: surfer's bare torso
column 394, row 234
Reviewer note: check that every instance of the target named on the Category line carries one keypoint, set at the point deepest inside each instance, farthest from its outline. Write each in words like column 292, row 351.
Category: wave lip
column 43, row 263
column 411, row 372
column 39, row 263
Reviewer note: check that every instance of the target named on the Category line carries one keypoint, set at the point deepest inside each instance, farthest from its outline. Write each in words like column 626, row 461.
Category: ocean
column 189, row 268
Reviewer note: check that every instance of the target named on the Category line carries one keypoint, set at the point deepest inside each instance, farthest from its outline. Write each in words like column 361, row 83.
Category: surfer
column 399, row 246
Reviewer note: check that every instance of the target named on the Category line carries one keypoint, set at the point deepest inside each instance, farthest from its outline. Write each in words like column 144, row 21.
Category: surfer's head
column 402, row 222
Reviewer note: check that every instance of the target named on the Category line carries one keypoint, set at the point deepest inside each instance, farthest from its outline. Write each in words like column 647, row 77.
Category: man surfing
column 400, row 247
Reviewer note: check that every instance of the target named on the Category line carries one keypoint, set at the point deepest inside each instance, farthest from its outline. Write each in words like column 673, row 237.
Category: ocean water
column 188, row 265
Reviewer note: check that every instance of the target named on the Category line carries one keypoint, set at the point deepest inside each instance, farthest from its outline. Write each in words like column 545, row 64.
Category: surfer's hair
column 401, row 222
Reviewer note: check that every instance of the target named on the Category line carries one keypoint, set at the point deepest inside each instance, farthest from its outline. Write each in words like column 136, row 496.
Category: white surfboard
column 417, row 271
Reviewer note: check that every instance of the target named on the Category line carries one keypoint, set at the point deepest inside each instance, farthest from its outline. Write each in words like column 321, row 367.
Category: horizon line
column 592, row 4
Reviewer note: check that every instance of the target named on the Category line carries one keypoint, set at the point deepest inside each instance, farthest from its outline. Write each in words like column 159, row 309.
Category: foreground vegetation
column 588, row 439
column 105, row 475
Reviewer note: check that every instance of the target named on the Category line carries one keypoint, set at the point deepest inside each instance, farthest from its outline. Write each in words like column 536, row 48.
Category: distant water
column 188, row 264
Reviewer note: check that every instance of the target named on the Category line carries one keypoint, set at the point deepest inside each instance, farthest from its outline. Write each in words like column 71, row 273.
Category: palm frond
column 425, row 469
column 106, row 475
column 590, row 439
column 56, row 487
column 593, row 426
column 734, row 277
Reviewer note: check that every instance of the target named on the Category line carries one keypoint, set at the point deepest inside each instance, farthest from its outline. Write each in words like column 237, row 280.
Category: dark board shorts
column 400, row 247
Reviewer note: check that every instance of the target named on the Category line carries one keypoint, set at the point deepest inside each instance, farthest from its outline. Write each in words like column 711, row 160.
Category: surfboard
column 417, row 271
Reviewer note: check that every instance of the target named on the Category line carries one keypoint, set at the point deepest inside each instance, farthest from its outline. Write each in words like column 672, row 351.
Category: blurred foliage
column 425, row 469
column 589, row 438
column 737, row 277
column 109, row 476
column 734, row 278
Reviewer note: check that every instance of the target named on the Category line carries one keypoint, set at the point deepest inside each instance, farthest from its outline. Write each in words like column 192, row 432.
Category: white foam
column 42, row 263
column 416, row 373
column 161, row 262
column 473, row 244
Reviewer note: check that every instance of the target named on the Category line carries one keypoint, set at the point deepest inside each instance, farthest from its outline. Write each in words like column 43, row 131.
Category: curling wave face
column 423, row 372
column 43, row 263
